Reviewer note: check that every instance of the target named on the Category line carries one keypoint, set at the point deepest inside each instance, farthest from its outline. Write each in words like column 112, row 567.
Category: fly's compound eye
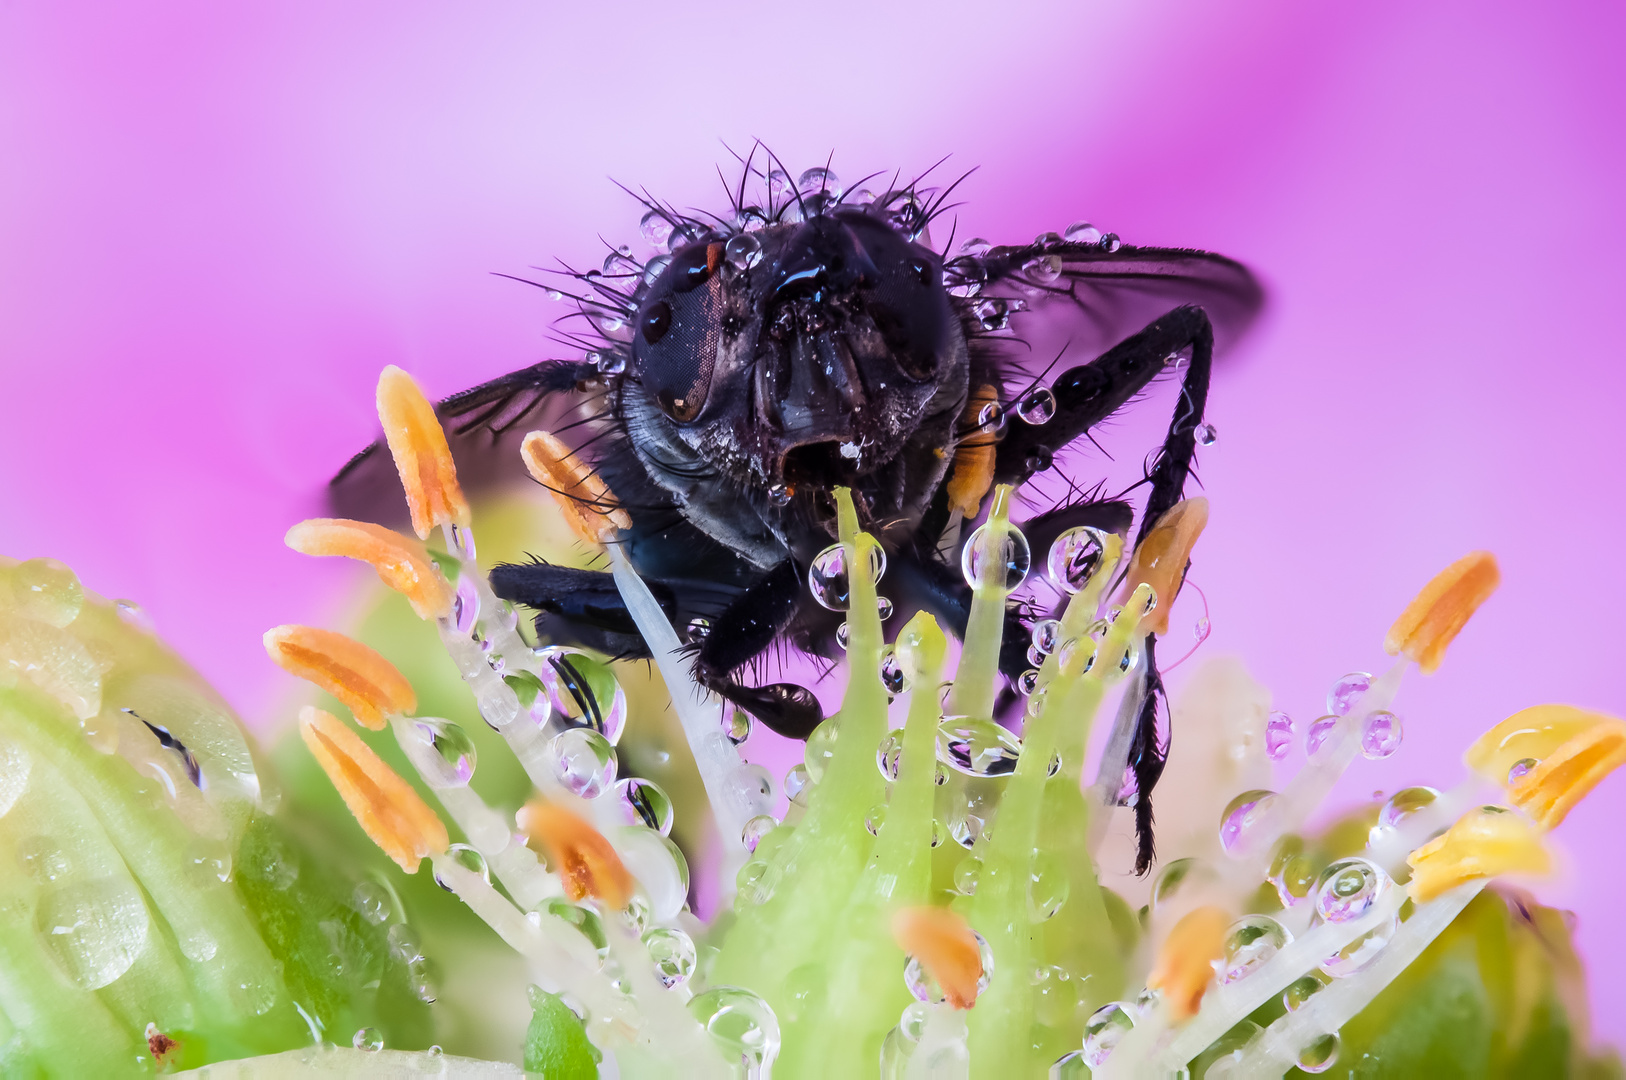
column 679, row 331
column 657, row 320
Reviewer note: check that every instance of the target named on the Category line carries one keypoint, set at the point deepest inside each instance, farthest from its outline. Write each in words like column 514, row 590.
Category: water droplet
column 1038, row 406
column 888, row 753
column 828, row 580
column 1036, row 655
column 469, row 859
column 46, row 590
column 1046, row 635
column 1403, row 804
column 1110, row 242
column 372, row 901
column 1176, row 876
column 1206, row 434
column 751, row 885
column 1380, row 735
column 95, row 929
column 1359, row 954
column 1104, row 1030
column 1075, row 556
column 404, row 943
column 966, row 873
column 1344, row 692
column 369, row 1039
column 1043, row 269
column 1347, row 889
column 779, row 495
column 977, row 746
column 1278, row 735
column 742, row 1025
column 893, row 677
column 1300, row 991
column 991, row 418
column 466, row 605
column 582, row 691
column 992, row 313
column 1320, row 1055
column 1249, row 943
column 923, row 987
column 1317, row 733
column 874, row 818
column 815, row 180
column 1292, row 871
column 673, row 954
column 441, row 751
column 742, row 252
column 1028, row 681
column 44, row 859
column 798, row 785
column 584, row 761
column 756, row 828
column 736, row 723
column 750, row 789
column 643, row 802
column 1048, row 887
column 1082, row 232
column 883, row 608
column 820, row 749
column 996, row 560
column 697, row 630
column 655, row 230
column 1242, row 820
column 1520, row 769
column 584, row 919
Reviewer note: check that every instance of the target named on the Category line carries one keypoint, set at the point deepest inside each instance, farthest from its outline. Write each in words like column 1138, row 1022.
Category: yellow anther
column 1486, row 842
column 946, row 947
column 418, row 445
column 971, row 473
column 367, row 683
column 584, row 859
column 1160, row 560
column 402, row 563
column 586, row 503
column 1433, row 619
column 1550, row 757
column 385, row 805
column 1185, row 963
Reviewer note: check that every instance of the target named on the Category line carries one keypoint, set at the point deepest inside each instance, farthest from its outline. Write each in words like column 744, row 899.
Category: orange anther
column 366, row 682
column 1160, row 560
column 587, row 504
column 1433, row 619
column 584, row 859
column 971, row 473
column 1559, row 780
column 1486, row 842
column 402, row 563
column 1185, row 963
column 418, row 445
column 946, row 947
column 385, row 805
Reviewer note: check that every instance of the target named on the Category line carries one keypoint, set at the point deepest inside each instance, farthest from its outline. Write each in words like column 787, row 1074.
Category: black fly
column 815, row 339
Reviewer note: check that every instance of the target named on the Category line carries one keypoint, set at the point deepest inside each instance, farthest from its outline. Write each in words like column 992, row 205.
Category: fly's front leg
column 578, row 607
column 741, row 633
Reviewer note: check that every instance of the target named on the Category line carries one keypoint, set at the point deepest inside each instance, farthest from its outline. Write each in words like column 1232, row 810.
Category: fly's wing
column 484, row 427
column 1092, row 298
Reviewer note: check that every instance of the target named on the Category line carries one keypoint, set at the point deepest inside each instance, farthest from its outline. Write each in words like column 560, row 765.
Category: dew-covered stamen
column 1549, row 757
column 402, row 563
column 1180, row 975
column 583, row 500
column 387, row 808
column 944, row 945
column 419, row 448
column 587, row 863
column 369, row 685
column 995, row 561
column 1487, row 842
column 1160, row 559
column 1432, row 620
column 903, row 850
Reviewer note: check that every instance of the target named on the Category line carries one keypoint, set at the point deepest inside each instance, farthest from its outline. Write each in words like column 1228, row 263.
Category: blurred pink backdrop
column 217, row 222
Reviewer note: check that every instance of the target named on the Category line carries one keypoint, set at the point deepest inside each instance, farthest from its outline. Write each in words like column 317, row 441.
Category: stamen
column 945, row 946
column 1434, row 618
column 971, row 473
column 385, row 806
column 1486, row 842
column 1160, row 560
column 402, row 564
column 583, row 858
column 1185, row 963
column 1562, row 778
column 583, row 498
column 367, row 683
column 418, row 445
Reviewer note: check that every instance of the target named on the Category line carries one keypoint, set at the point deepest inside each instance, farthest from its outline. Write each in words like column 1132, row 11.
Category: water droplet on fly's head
column 976, row 746
column 1344, row 692
column 1243, row 818
column 369, row 1039
column 655, row 229
column 741, row 1024
column 742, row 252
column 1380, row 735
column 992, row 313
column 778, row 182
column 1028, row 681
column 1075, row 556
column 443, row 753
column 819, row 179
column 798, row 784
column 1105, row 1029
column 1320, row 1055
column 756, row 828
column 47, row 590
column 736, row 723
column 1207, row 434
column 1250, row 941
column 1317, row 733
column 1278, row 735
column 1347, row 889
column 673, row 954
column 1037, row 406
column 924, row 988
column 1046, row 635
column 751, row 218
column 582, row 691
column 1520, row 769
column 469, row 859
column 996, row 559
column 893, row 677
column 643, row 802
column 1082, row 232
column 1043, row 269
column 828, row 579
column 583, row 760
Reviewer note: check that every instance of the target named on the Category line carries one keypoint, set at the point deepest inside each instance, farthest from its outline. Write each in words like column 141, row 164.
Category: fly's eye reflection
column 657, row 321
column 680, row 409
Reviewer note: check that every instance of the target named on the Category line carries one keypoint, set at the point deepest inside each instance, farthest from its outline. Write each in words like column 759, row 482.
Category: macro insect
column 813, row 339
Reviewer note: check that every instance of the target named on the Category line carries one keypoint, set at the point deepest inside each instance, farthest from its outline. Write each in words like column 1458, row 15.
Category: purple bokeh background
column 217, row 222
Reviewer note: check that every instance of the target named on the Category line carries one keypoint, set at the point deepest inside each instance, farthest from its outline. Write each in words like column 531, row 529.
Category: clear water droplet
column 1176, row 876
column 1082, row 232
column 95, row 929
column 1207, row 434
column 888, row 753
column 584, row 761
column 1075, row 556
column 372, row 902
column 922, row 987
column 819, row 179
column 992, row 313
column 673, row 954
column 827, row 575
column 820, row 750
column 1037, row 406
column 1105, row 1029
column 442, row 752
column 469, row 859
column 655, row 229
column 736, row 723
column 1403, row 804
column 798, row 784
column 1046, row 635
column 1047, row 239
column 1320, row 1055
column 1109, row 242
column 1359, row 954
column 991, row 418
column 403, row 943
column 1520, row 769
column 46, row 590
column 1028, row 681
column 1317, row 733
column 369, row 1039
column 751, row 885
column 742, row 1025
column 750, row 789
column 643, row 802
column 1344, row 692
column 1278, row 735
column 976, row 746
column 976, row 247
column 1036, row 655
column 1347, row 889
column 997, row 560
column 883, row 608
column 1242, row 820
column 1043, row 269
column 843, row 634
column 1292, row 871
column 1249, row 943
column 1202, row 629
column 697, row 630
column 756, row 828
column 1380, row 735
column 966, row 874
column 582, row 691
column 1048, row 887
column 893, row 677
column 874, row 818
column 742, row 252
column 1301, row 991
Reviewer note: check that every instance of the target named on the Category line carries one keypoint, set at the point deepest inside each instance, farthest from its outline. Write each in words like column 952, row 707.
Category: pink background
column 217, row 222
